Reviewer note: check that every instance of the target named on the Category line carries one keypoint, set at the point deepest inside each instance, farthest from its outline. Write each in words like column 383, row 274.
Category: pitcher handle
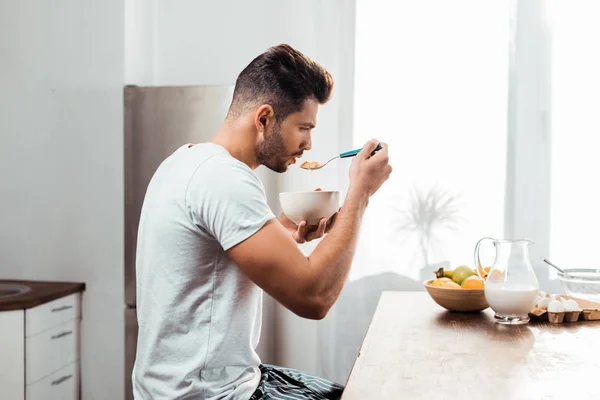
column 478, row 265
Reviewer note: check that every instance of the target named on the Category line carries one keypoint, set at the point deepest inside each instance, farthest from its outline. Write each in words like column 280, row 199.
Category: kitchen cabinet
column 40, row 350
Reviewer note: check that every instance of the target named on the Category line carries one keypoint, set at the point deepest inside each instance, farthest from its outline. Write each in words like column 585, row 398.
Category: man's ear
column 264, row 119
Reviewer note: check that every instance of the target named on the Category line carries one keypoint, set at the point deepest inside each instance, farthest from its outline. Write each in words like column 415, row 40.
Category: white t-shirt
column 199, row 315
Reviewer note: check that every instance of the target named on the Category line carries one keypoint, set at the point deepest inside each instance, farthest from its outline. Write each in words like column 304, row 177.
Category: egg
column 552, row 297
column 543, row 302
column 571, row 305
column 556, row 306
column 563, row 300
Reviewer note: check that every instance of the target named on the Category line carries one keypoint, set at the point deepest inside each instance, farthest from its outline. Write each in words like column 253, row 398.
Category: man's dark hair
column 284, row 78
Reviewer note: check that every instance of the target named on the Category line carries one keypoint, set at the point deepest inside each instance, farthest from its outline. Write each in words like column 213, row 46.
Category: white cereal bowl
column 310, row 206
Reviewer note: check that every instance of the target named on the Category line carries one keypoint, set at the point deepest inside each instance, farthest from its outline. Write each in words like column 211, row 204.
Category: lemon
column 451, row 285
column 461, row 273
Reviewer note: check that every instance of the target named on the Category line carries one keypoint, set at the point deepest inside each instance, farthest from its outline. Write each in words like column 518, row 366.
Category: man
column 208, row 244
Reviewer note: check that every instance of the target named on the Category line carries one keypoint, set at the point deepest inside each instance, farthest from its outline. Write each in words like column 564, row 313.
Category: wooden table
column 414, row 349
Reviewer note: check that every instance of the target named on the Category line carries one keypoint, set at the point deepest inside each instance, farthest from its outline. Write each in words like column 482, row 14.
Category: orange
column 439, row 282
column 472, row 282
column 496, row 275
column 484, row 272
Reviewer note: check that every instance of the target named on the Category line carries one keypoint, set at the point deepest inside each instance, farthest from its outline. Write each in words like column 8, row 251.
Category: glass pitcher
column 511, row 286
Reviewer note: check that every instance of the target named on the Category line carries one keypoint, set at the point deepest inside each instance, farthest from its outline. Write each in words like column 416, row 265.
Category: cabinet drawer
column 51, row 350
column 61, row 385
column 51, row 314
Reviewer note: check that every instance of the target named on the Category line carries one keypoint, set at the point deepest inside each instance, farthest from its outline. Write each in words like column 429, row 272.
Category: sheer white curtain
column 575, row 211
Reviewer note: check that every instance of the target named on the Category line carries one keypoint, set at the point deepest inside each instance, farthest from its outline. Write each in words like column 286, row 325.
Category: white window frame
column 528, row 175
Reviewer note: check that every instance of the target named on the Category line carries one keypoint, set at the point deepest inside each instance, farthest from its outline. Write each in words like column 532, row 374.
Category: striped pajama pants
column 277, row 383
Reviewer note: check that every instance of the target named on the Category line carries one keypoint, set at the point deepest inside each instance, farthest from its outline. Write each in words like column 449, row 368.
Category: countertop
column 41, row 292
column 414, row 349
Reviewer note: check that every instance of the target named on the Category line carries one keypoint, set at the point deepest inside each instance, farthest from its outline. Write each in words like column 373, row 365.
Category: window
column 432, row 82
column 575, row 157
column 492, row 112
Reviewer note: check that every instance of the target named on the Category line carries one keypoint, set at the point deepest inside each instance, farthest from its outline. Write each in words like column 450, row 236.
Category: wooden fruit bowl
column 458, row 300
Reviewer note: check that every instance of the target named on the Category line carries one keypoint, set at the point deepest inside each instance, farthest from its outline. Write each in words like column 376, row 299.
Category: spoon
column 315, row 165
column 552, row 265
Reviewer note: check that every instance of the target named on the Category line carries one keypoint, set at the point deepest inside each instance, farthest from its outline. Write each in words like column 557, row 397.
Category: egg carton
column 589, row 311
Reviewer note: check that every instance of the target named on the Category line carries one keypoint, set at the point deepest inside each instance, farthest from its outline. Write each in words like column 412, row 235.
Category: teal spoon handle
column 352, row 153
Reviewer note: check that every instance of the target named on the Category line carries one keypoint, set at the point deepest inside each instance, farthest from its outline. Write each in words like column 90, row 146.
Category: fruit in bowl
column 445, row 282
column 310, row 206
column 463, row 292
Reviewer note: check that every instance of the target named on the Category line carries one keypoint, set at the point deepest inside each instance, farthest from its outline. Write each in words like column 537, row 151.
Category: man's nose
column 307, row 145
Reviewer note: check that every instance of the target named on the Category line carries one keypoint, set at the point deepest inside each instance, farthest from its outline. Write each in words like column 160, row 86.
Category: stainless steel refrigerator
column 157, row 121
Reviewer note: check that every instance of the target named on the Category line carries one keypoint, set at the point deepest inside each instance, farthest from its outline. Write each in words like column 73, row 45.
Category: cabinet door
column 51, row 350
column 49, row 315
column 12, row 355
column 61, row 385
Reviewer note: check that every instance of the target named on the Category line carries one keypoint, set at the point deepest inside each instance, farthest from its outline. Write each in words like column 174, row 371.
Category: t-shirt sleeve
column 227, row 200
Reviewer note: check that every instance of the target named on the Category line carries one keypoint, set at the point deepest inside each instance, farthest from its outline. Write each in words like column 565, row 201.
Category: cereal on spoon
column 310, row 165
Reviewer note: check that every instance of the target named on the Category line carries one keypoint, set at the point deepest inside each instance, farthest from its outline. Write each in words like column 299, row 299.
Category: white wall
column 61, row 128
column 61, row 169
column 190, row 42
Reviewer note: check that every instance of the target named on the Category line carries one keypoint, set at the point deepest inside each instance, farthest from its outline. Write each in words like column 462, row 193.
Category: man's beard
column 271, row 152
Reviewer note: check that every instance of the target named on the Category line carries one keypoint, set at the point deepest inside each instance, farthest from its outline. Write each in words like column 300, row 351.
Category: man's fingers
column 369, row 148
column 384, row 149
column 322, row 227
column 299, row 234
column 302, row 227
column 320, row 230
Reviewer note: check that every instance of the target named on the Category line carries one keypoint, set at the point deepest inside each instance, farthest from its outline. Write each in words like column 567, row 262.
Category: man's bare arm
column 309, row 286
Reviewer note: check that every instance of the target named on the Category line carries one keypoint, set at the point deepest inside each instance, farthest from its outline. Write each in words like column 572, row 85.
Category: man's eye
column 304, row 129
